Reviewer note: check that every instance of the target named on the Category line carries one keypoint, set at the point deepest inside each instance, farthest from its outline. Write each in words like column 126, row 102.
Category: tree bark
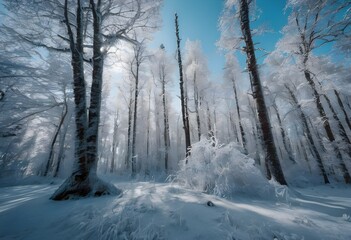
column 270, row 149
column 185, row 113
column 166, row 137
column 135, row 115
column 84, row 181
column 129, row 132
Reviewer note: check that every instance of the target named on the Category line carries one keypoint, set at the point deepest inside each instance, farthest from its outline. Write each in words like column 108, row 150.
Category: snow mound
column 223, row 171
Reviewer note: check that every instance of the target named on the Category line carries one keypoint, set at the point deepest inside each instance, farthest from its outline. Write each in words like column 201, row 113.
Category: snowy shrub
column 223, row 171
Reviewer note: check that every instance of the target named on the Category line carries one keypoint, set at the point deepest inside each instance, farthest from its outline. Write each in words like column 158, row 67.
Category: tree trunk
column 115, row 142
column 53, row 142
column 84, row 181
column 62, row 141
column 197, row 103
column 166, row 137
column 270, row 149
column 148, row 132
column 341, row 105
column 210, row 134
column 242, row 132
column 185, row 113
column 282, row 132
column 309, row 135
column 135, row 116
column 129, row 132
column 256, row 132
column 326, row 125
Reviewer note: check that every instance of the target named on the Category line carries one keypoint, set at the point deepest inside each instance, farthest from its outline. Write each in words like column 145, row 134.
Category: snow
column 150, row 210
column 223, row 171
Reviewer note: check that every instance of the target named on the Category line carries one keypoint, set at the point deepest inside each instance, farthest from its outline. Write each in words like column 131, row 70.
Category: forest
column 144, row 141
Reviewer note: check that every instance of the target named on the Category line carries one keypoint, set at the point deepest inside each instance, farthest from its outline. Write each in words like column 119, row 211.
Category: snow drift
column 223, row 171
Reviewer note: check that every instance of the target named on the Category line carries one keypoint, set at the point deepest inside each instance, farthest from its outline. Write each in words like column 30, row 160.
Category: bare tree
column 135, row 64
column 257, row 91
column 163, row 70
column 185, row 114
column 308, row 133
column 108, row 23
column 316, row 24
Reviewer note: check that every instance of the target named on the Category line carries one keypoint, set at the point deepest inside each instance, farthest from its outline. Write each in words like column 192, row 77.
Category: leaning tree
column 237, row 13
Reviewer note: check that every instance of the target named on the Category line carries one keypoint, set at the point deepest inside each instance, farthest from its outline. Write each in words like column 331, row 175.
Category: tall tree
column 108, row 23
column 231, row 74
column 315, row 24
column 137, row 59
column 308, row 133
column 242, row 16
column 163, row 70
column 196, row 70
column 185, row 113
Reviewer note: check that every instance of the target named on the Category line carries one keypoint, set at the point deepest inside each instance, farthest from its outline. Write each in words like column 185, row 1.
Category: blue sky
column 198, row 20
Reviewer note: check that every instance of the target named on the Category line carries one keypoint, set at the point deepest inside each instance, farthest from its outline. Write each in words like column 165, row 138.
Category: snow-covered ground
column 149, row 210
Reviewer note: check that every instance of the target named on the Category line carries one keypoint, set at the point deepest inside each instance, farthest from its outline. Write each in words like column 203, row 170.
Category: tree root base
column 75, row 188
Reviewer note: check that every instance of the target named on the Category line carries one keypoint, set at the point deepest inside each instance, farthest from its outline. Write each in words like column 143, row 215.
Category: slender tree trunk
column 197, row 106
column 129, row 131
column 62, row 142
column 233, row 125
column 185, row 113
column 309, row 135
column 282, row 132
column 135, row 115
column 270, row 149
column 342, row 130
column 210, row 134
column 341, row 105
column 242, row 132
column 158, row 131
column 148, row 127
column 54, row 140
column 326, row 125
column 166, row 137
column 114, row 143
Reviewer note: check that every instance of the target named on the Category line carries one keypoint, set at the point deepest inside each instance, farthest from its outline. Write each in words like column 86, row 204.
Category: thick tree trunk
column 270, row 149
column 96, row 89
column 83, row 181
column 256, row 132
column 185, row 113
